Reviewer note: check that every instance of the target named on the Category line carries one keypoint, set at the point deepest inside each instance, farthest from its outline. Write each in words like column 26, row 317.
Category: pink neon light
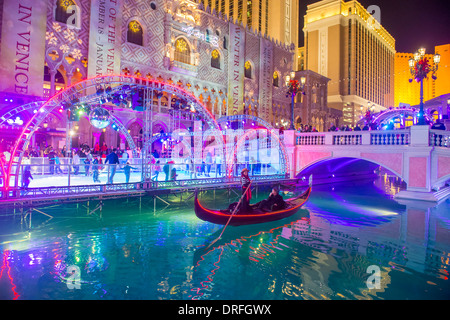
column 7, row 174
column 6, row 265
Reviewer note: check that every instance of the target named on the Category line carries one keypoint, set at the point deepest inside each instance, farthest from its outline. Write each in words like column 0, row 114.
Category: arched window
column 135, row 33
column 276, row 78
column 182, row 51
column 67, row 12
column 409, row 121
column 215, row 59
column 248, row 69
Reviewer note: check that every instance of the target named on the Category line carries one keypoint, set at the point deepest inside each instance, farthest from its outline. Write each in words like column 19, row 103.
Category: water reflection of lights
column 7, row 267
column 256, row 254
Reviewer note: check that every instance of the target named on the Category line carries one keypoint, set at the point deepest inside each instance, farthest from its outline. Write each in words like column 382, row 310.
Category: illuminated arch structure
column 387, row 117
column 247, row 125
column 18, row 110
column 95, row 91
column 36, row 106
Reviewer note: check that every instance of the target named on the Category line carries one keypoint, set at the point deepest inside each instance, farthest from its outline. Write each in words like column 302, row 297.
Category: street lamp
column 293, row 88
column 420, row 67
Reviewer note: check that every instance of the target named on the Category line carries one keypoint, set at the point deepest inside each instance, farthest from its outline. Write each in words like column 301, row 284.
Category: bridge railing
column 440, row 138
column 39, row 178
column 385, row 137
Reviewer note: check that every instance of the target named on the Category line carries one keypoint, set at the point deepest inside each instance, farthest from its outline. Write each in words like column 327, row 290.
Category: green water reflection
column 323, row 252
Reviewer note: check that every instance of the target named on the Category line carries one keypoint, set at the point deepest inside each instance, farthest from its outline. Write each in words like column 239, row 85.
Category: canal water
column 351, row 241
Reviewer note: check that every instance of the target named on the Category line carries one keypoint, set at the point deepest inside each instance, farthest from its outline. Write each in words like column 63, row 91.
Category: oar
column 234, row 211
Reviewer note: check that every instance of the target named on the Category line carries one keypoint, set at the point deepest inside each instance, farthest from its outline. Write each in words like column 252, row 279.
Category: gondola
column 256, row 216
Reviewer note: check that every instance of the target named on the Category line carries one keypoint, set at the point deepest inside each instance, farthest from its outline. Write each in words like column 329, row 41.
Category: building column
column 69, row 76
column 52, row 82
column 418, row 168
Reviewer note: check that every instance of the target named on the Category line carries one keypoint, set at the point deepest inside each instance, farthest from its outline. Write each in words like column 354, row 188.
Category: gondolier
column 246, row 191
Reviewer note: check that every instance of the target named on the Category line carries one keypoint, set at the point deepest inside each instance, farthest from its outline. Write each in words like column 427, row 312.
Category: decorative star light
column 69, row 35
column 64, row 48
column 76, row 53
column 51, row 39
column 134, row 26
column 56, row 27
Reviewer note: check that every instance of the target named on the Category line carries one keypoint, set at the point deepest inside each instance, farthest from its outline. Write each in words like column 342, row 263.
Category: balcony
column 184, row 68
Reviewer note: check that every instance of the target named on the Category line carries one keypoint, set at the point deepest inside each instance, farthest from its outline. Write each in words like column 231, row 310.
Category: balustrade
column 310, row 140
column 347, row 138
column 439, row 138
column 391, row 137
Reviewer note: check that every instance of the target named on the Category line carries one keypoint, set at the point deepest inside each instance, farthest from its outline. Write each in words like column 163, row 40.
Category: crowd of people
column 307, row 128
column 193, row 170
column 93, row 159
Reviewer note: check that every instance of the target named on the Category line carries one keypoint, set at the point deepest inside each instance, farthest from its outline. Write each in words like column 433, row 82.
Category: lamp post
column 293, row 88
column 420, row 67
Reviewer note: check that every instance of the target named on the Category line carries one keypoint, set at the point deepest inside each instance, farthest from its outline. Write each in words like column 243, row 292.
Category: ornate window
column 248, row 69
column 135, row 34
column 182, row 51
column 215, row 59
column 276, row 78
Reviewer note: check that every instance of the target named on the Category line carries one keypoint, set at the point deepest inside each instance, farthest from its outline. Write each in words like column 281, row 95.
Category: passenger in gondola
column 274, row 202
column 245, row 183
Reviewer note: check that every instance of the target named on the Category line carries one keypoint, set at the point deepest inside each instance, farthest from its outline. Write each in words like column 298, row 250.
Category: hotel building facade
column 275, row 18
column 346, row 44
column 407, row 93
column 48, row 45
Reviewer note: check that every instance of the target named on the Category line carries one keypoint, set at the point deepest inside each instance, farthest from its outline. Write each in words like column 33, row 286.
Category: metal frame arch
column 389, row 114
column 242, row 117
column 11, row 113
column 87, row 88
column 124, row 131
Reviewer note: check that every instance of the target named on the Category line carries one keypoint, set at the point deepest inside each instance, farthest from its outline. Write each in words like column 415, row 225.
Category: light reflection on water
column 323, row 252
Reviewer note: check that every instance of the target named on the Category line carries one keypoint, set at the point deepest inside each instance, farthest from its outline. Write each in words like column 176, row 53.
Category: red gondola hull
column 218, row 217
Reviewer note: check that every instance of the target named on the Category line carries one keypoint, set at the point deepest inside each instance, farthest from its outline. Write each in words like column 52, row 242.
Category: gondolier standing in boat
column 245, row 183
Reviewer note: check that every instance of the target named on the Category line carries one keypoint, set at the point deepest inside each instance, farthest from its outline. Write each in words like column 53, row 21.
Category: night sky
column 412, row 23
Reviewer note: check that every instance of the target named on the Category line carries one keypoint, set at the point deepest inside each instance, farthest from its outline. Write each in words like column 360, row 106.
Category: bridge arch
column 338, row 167
column 95, row 90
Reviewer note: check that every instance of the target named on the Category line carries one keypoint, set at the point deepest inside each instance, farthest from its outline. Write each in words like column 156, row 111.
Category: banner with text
column 265, row 79
column 236, row 70
column 23, row 46
column 105, row 37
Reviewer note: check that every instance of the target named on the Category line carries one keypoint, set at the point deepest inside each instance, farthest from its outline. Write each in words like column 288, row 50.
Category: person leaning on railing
column 438, row 125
